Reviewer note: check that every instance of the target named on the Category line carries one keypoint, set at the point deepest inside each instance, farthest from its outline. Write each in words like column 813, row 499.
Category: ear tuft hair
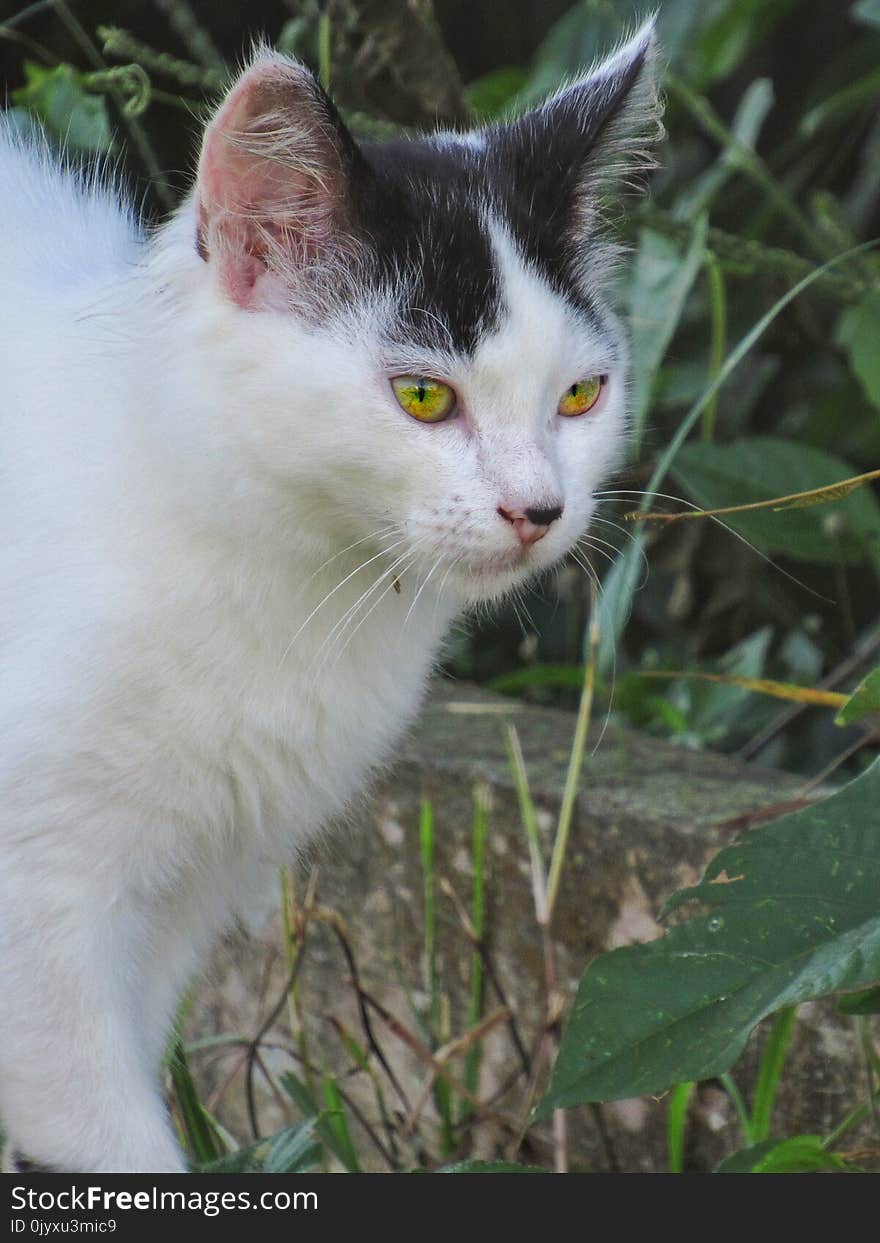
column 273, row 180
column 617, row 106
column 574, row 153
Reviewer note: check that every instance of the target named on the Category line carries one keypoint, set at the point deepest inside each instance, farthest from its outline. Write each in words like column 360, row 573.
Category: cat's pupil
column 421, row 390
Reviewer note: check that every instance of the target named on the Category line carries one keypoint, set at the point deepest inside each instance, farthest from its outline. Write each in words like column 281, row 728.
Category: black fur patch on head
column 421, row 213
column 419, row 209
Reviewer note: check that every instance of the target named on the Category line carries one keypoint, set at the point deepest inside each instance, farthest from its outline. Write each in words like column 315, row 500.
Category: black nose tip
column 543, row 517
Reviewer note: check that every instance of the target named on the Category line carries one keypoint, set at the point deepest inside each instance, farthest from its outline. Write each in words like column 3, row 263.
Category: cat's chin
column 496, row 577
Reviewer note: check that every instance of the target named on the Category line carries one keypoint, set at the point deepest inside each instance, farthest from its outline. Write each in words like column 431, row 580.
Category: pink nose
column 530, row 524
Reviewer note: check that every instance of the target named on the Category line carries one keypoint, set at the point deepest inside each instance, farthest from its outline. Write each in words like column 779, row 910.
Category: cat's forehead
column 435, row 215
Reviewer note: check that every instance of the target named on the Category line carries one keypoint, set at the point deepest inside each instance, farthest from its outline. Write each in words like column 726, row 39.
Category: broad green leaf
column 794, row 914
column 859, row 332
column 76, row 118
column 864, row 699
column 661, row 279
column 802, row 1154
column 865, row 1001
column 757, row 468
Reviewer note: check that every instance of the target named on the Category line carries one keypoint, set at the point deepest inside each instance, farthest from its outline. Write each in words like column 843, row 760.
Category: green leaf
column 676, row 1121
column 770, row 1072
column 840, row 106
column 291, row 1151
column 859, row 332
column 294, row 1150
column 577, row 39
column 744, row 1161
column 794, row 915
column 330, row 1124
column 802, row 1154
column 663, row 274
column 864, row 699
column 76, row 118
column 730, row 29
column 492, row 95
column 202, row 1139
column 338, row 1125
column 745, row 128
column 571, row 677
column 713, row 707
column 621, row 582
column 756, row 468
column 865, row 1001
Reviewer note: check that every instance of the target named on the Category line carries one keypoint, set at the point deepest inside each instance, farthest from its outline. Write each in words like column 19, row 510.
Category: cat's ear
column 273, row 187
column 575, row 152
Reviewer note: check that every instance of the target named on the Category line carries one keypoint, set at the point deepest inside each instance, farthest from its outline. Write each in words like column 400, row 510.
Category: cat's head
column 433, row 366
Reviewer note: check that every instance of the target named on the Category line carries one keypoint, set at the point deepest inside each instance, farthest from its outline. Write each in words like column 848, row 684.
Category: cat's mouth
column 498, row 570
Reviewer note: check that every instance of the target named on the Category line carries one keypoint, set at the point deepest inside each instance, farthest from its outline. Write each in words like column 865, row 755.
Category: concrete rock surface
column 649, row 815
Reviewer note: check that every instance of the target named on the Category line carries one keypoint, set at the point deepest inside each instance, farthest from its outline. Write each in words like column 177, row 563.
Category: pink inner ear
column 268, row 179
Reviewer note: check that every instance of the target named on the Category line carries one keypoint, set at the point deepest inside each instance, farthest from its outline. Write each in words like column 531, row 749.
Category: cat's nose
column 530, row 523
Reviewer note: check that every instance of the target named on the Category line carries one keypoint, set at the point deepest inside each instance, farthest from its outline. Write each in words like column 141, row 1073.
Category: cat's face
column 439, row 374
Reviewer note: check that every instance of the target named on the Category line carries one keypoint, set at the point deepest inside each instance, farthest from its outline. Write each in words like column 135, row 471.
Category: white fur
column 190, row 687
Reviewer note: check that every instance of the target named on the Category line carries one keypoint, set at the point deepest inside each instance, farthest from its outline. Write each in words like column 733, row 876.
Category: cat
column 252, row 465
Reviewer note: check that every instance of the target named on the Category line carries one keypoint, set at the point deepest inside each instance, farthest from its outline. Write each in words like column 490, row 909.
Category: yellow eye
column 582, row 396
column 430, row 401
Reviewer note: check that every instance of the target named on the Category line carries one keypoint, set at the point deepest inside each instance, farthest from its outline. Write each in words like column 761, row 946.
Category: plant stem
column 576, row 758
column 729, row 1085
column 325, row 49
column 718, row 304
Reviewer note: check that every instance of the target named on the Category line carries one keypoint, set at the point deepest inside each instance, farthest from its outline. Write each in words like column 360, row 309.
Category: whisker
column 394, row 529
column 449, row 570
column 332, row 593
column 667, row 496
column 415, row 599
column 390, row 587
column 587, row 542
column 394, row 569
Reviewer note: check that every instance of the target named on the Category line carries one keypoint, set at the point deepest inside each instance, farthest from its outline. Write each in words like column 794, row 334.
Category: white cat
column 250, row 468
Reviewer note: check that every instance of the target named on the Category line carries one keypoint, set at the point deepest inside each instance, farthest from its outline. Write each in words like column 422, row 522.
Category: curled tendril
column 130, row 82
